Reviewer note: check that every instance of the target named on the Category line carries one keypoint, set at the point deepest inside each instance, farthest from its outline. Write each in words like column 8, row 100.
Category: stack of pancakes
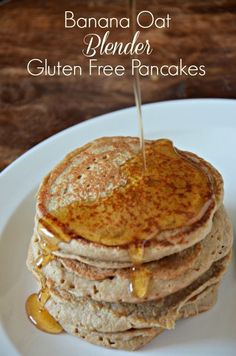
column 118, row 280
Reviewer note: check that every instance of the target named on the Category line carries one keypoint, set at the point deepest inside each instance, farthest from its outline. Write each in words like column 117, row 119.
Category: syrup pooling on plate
column 172, row 194
column 35, row 304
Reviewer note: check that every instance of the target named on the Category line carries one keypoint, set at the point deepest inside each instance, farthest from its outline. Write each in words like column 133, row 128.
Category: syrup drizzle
column 35, row 303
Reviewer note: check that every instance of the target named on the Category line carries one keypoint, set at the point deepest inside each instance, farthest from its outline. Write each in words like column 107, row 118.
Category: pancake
column 134, row 339
column 118, row 317
column 87, row 315
column 120, row 252
column 168, row 275
column 100, row 204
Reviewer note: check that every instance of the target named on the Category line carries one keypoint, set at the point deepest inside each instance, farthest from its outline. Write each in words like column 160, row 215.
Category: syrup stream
column 136, row 87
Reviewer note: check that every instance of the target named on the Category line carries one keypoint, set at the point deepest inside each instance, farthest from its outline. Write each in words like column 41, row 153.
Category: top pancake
column 101, row 204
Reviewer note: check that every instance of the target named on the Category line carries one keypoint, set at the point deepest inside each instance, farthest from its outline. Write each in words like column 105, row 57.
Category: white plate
column 207, row 127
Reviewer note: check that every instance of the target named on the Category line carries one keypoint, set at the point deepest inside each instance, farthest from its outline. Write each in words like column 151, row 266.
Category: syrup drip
column 136, row 86
column 136, row 252
column 139, row 282
column 39, row 315
column 140, row 275
column 35, row 304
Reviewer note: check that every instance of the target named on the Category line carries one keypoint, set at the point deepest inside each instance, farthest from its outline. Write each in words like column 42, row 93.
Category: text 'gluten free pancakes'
column 121, row 253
